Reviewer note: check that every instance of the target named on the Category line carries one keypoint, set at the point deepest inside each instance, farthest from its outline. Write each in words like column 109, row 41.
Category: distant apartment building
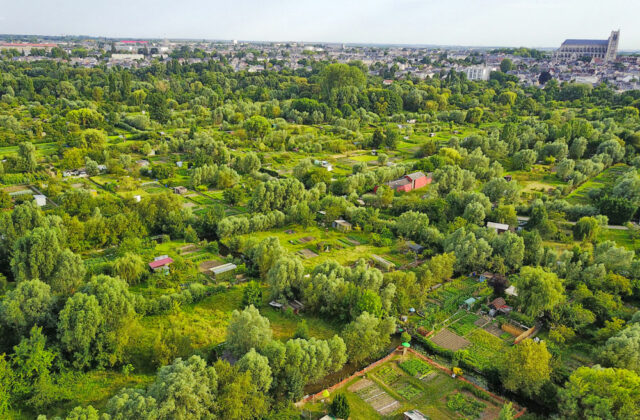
column 130, row 45
column 126, row 57
column 602, row 49
column 25, row 47
column 478, row 72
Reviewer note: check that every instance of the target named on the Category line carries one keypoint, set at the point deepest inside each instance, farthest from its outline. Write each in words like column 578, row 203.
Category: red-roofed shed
column 162, row 263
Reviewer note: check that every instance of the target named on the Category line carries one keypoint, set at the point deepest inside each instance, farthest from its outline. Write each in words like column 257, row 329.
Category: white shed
column 41, row 200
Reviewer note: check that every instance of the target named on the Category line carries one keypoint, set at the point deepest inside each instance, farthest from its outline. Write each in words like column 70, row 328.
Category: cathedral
column 603, row 49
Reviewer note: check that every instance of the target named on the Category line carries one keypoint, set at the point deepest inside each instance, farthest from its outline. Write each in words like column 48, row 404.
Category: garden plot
column 352, row 241
column 493, row 329
column 464, row 325
column 388, row 375
column 371, row 393
column 205, row 266
column 482, row 321
column 188, row 249
column 485, row 348
column 416, row 368
column 465, row 405
column 450, row 341
column 307, row 253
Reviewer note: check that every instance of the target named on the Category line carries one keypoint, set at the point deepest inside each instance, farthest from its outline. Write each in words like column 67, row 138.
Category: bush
column 468, row 406
column 414, row 367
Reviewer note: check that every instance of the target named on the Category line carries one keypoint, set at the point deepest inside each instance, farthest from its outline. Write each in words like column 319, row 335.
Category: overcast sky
column 531, row 23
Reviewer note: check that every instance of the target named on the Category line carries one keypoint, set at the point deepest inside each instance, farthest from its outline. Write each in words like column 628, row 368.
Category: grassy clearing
column 284, row 326
column 606, row 179
column 629, row 239
column 364, row 158
column 338, row 250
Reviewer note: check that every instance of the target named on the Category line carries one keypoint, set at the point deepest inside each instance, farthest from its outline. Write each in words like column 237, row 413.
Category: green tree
column 599, row 393
column 184, row 390
column 78, row 325
column 117, row 312
column 619, row 210
column 83, row 413
column 507, row 412
column 132, row 404
column 257, row 126
column 238, row 396
column 412, row 225
column 68, row 274
column 524, row 159
column 29, row 304
column 506, row 65
column 7, row 384
column 5, row 199
column 265, row 254
column 247, row 329
column 26, row 161
column 35, row 254
column 158, row 109
column 252, row 294
column 366, row 336
column 526, row 367
column 623, row 349
column 586, row 229
column 339, row 407
column 32, row 364
column 130, row 267
column 377, row 139
column 338, row 76
column 369, row 301
column 94, row 139
column 472, row 254
column 258, row 366
column 539, row 290
column 285, row 275
column 510, row 247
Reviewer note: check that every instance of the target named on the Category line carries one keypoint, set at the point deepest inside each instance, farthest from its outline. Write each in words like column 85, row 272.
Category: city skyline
column 517, row 23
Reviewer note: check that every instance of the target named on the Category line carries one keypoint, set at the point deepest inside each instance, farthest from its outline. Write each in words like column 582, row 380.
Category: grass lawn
column 339, row 250
column 94, row 388
column 284, row 326
column 363, row 158
column 629, row 239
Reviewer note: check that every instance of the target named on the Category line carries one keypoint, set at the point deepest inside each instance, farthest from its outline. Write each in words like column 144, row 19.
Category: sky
column 529, row 23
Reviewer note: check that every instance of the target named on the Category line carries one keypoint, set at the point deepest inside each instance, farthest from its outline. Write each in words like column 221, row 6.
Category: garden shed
column 223, row 270
column 469, row 303
column 382, row 263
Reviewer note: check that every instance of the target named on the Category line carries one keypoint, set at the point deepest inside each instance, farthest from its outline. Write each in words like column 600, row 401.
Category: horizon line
column 230, row 40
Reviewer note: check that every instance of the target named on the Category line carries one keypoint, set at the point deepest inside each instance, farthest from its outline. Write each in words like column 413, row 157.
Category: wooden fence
column 526, row 334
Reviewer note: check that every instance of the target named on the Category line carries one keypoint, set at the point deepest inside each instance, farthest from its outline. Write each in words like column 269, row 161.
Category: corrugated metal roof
column 416, row 175
column 223, row 268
